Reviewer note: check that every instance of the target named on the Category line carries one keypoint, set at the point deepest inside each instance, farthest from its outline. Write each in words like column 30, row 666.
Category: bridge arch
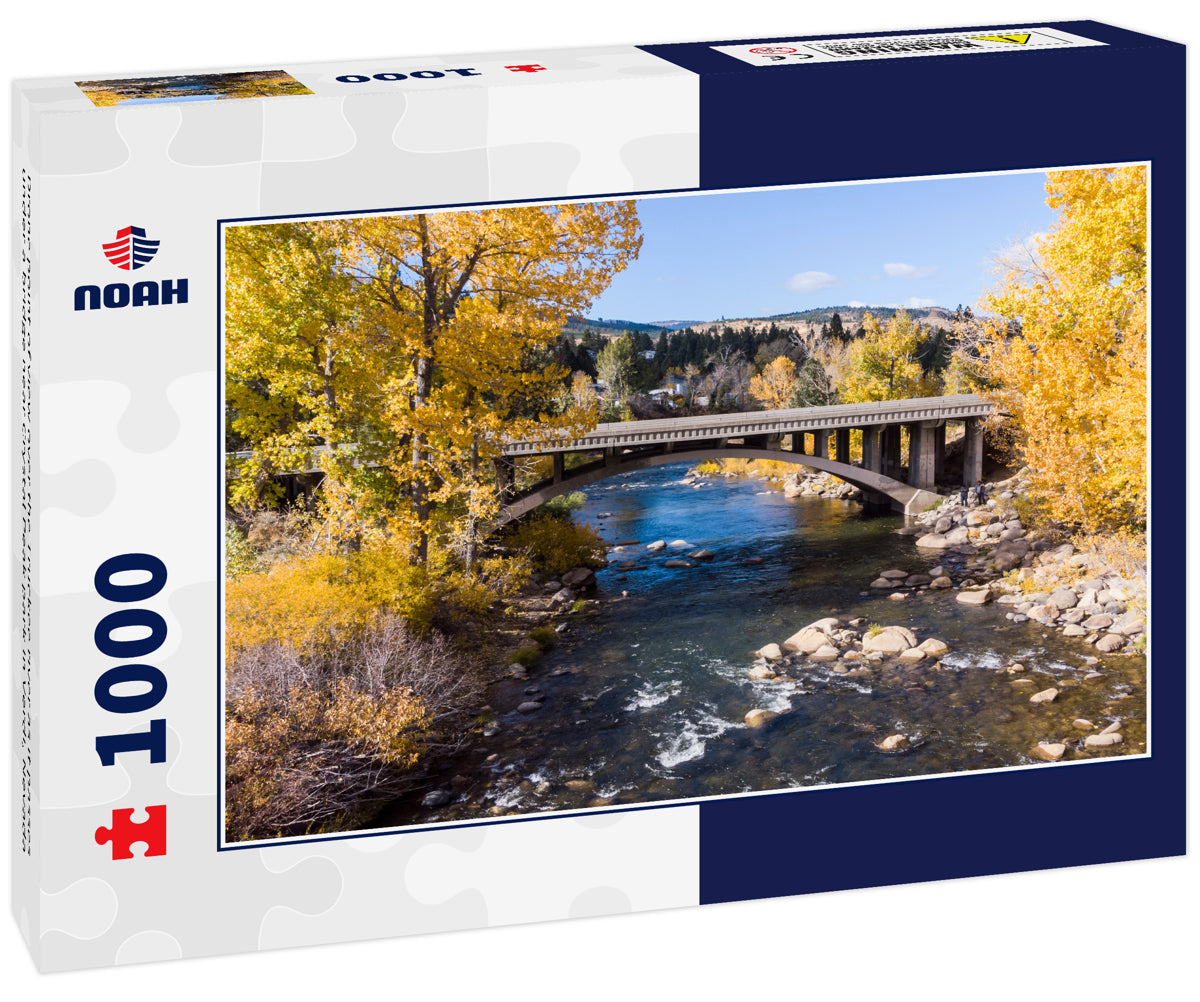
column 633, row 445
column 903, row 497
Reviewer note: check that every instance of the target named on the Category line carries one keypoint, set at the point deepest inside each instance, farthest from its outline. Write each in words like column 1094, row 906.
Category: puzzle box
column 298, row 532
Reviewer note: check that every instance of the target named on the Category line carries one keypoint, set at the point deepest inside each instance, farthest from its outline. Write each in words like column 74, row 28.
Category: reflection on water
column 650, row 696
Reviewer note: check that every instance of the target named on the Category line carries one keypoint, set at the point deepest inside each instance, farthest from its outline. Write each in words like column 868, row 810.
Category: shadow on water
column 646, row 701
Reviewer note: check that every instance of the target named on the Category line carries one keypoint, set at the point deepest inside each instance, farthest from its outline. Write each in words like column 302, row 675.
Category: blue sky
column 907, row 243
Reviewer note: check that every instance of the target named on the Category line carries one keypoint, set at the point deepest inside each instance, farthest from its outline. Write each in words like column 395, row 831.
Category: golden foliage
column 773, row 387
column 1074, row 378
column 556, row 545
column 883, row 363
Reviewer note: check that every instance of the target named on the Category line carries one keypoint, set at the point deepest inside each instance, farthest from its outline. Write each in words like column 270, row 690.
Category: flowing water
column 646, row 699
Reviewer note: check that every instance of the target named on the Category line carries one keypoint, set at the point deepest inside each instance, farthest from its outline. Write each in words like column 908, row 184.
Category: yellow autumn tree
column 1074, row 377
column 301, row 368
column 883, row 363
column 472, row 301
column 774, row 386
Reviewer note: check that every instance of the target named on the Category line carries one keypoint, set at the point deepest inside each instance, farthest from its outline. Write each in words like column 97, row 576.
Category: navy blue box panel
column 992, row 111
column 953, row 826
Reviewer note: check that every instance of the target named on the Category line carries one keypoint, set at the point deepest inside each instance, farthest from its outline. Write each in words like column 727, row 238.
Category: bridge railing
column 778, row 422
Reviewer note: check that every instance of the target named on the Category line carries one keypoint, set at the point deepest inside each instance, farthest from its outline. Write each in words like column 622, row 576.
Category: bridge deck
column 779, row 422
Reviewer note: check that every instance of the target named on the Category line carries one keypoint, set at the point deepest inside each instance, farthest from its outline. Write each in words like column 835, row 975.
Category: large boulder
column 934, row 647
column 759, row 718
column 974, row 596
column 579, row 577
column 658, row 544
column 1110, row 642
column 934, row 541
column 890, row 640
column 1129, row 624
column 771, row 652
column 1064, row 598
column 806, row 640
column 1006, row 560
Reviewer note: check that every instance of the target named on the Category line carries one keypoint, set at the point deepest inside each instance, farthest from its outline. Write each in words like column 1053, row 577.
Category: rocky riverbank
column 985, row 554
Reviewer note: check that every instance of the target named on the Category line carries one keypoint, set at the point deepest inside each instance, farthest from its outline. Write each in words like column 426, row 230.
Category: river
column 645, row 700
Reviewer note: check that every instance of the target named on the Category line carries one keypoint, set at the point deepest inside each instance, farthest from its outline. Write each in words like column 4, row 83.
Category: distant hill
column 852, row 316
column 608, row 327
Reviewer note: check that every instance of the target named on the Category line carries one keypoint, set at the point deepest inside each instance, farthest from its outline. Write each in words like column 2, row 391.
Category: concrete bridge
column 633, row 445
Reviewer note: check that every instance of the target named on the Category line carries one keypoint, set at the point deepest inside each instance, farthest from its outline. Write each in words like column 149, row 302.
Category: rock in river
column 1045, row 696
column 934, row 541
column 807, row 640
column 579, row 577
column 890, row 640
column 1102, row 740
column 757, row 718
column 771, row 652
column 975, row 596
column 1051, row 751
column 894, row 742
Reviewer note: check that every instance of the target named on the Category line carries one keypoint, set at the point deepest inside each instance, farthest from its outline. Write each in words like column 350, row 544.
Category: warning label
column 791, row 53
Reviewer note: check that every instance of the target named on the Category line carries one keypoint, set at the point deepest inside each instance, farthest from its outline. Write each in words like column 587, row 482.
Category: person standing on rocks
column 964, row 496
column 980, row 492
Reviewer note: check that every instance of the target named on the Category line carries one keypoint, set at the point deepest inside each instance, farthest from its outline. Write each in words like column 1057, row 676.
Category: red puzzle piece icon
column 124, row 832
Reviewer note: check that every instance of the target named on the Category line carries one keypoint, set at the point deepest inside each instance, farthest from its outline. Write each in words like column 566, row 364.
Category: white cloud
column 811, row 281
column 897, row 270
column 920, row 303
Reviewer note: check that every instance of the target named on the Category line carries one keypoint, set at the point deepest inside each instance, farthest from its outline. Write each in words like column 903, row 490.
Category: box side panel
column 25, row 763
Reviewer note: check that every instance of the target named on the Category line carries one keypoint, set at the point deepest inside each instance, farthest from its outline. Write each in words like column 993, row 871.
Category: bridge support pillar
column 873, row 448
column 821, row 444
column 891, row 451
column 610, row 457
column 798, row 443
column 558, row 459
column 842, row 435
column 939, row 452
column 921, row 454
column 973, row 452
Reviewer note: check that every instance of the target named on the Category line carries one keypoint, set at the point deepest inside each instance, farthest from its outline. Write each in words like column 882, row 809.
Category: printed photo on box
column 192, row 87
column 598, row 504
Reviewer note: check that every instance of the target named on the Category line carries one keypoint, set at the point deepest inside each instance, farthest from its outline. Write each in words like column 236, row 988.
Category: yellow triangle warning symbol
column 1014, row 39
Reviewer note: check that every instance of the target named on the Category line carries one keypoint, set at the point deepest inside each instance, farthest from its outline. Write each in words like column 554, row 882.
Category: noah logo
column 131, row 250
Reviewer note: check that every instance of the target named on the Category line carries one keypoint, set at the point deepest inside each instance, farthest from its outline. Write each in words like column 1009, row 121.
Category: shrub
column 873, row 629
column 240, row 557
column 566, row 503
column 555, row 545
column 543, row 636
column 314, row 737
column 526, row 655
